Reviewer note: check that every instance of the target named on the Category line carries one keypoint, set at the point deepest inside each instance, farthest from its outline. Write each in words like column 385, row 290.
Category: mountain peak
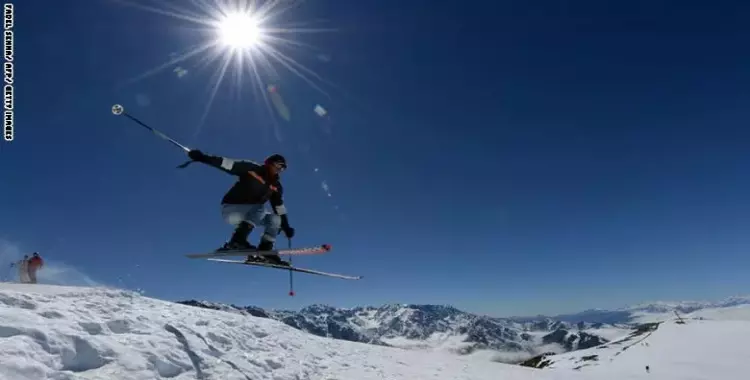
column 318, row 308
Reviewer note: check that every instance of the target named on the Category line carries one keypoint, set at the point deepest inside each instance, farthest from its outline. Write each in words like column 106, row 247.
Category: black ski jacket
column 254, row 184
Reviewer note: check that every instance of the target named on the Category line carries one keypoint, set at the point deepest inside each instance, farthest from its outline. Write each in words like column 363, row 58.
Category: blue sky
column 508, row 158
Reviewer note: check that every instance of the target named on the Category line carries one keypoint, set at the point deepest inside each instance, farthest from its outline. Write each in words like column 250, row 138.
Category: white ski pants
column 255, row 215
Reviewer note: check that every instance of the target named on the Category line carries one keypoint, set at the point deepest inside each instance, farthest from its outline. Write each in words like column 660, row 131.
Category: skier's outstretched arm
column 235, row 167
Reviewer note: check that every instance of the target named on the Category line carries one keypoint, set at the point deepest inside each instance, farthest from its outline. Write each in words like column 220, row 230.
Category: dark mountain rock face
column 573, row 341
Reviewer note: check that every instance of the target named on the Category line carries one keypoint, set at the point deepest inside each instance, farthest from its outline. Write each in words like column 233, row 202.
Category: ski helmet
column 276, row 159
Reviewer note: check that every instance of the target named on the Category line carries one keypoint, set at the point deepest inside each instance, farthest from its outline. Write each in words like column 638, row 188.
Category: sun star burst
column 244, row 39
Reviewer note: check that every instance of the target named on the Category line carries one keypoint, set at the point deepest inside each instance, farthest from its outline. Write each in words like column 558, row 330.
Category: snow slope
column 66, row 333
column 697, row 349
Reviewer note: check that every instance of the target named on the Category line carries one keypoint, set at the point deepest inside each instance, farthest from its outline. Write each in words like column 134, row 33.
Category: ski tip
column 326, row 247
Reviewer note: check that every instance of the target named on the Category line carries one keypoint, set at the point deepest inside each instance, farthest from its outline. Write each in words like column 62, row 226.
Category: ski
column 291, row 268
column 323, row 248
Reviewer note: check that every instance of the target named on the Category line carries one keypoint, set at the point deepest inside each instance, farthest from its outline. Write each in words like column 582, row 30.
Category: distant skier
column 34, row 264
column 23, row 269
column 244, row 204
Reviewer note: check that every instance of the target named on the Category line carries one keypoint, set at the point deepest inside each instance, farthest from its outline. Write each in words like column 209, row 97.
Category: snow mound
column 67, row 333
column 675, row 349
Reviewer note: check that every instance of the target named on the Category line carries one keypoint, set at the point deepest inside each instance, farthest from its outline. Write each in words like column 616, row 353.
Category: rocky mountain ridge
column 429, row 327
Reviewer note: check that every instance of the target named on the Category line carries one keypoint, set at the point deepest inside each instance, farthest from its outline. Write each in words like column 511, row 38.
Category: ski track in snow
column 69, row 333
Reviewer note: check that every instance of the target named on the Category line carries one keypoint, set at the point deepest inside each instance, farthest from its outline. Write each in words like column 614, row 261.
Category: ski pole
column 291, row 282
column 118, row 110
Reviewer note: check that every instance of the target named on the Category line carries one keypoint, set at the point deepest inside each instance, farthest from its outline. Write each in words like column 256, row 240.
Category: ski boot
column 236, row 246
column 238, row 241
column 266, row 245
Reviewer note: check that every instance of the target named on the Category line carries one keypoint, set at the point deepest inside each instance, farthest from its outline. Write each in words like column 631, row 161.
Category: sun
column 240, row 39
column 239, row 31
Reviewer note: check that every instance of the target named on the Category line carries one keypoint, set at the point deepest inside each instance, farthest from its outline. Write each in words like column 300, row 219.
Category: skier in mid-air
column 244, row 204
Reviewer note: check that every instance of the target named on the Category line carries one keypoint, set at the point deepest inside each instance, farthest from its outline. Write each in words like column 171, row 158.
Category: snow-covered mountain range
column 428, row 327
column 439, row 327
column 71, row 333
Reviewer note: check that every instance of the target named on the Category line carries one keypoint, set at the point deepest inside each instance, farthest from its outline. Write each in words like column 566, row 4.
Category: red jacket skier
column 244, row 204
column 34, row 264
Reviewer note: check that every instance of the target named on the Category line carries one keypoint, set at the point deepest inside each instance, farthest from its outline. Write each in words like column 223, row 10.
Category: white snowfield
column 699, row 348
column 734, row 313
column 66, row 333
column 735, row 308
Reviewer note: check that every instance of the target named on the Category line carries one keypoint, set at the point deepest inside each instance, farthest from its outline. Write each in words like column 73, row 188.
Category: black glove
column 288, row 231
column 197, row 155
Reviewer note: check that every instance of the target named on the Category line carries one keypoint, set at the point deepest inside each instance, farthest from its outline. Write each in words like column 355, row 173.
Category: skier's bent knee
column 235, row 218
column 274, row 221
